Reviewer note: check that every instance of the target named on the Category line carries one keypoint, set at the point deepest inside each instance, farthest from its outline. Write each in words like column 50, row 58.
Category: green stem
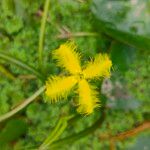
column 5, row 72
column 63, row 127
column 58, row 130
column 42, row 31
column 21, row 64
column 23, row 105
column 55, row 136
column 52, row 134
column 79, row 135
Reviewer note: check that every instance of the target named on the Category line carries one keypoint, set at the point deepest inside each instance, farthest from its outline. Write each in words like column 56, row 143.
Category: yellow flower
column 68, row 58
column 99, row 67
column 58, row 87
column 87, row 97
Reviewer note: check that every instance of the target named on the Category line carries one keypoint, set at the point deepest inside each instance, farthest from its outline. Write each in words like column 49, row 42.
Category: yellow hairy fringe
column 68, row 58
column 87, row 98
column 99, row 67
column 59, row 87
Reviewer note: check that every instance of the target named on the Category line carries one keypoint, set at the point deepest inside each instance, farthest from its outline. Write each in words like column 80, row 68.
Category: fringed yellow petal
column 87, row 98
column 99, row 67
column 68, row 58
column 59, row 87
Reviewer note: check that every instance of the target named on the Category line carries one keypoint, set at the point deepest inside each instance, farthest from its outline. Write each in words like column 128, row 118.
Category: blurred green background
column 120, row 28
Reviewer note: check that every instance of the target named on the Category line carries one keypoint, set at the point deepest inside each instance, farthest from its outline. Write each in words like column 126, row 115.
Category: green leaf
column 13, row 130
column 126, row 21
column 122, row 56
column 6, row 72
column 19, row 63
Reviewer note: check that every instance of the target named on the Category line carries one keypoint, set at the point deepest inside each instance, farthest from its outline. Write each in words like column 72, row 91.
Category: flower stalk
column 22, row 105
column 77, row 136
column 56, row 132
column 42, row 32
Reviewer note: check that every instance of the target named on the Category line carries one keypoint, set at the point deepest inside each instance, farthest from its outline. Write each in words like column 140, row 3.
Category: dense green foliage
column 125, row 95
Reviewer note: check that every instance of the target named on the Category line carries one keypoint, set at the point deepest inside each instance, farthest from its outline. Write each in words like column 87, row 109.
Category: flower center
column 81, row 76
